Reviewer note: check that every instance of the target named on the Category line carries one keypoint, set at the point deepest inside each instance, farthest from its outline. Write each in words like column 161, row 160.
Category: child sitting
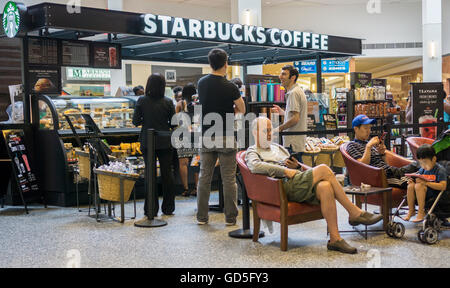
column 424, row 190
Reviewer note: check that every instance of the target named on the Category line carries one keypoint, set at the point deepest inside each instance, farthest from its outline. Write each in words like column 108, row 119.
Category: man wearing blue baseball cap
column 372, row 152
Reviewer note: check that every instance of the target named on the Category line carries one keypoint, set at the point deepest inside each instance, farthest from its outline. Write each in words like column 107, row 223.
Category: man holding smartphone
column 372, row 152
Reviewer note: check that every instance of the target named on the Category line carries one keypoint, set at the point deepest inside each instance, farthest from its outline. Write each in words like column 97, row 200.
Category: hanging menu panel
column 44, row 80
column 106, row 56
column 75, row 54
column 42, row 51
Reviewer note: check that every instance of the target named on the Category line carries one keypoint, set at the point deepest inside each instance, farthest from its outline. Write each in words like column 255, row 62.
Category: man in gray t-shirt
column 296, row 113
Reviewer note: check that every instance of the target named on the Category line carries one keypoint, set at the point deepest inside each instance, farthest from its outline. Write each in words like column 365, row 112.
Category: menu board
column 427, row 106
column 379, row 82
column 26, row 179
column 106, row 56
column 44, row 80
column 42, row 51
column 75, row 53
column 358, row 80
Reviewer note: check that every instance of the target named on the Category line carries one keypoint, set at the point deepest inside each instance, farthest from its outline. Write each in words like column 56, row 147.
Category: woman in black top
column 154, row 111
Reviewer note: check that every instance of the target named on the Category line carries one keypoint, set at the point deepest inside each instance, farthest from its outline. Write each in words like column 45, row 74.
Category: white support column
column 248, row 12
column 118, row 79
column 432, row 40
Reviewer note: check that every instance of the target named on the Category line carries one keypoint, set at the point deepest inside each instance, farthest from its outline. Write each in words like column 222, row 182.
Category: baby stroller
column 437, row 208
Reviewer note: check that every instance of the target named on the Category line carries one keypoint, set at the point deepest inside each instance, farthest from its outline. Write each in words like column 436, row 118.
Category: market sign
column 88, row 74
column 174, row 27
column 328, row 66
column 11, row 19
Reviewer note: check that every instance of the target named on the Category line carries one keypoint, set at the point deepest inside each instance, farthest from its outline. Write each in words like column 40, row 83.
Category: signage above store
column 328, row 66
column 11, row 19
column 88, row 74
column 167, row 26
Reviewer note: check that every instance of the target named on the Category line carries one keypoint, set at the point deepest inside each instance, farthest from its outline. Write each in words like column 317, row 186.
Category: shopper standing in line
column 408, row 110
column 139, row 90
column 185, row 154
column 296, row 113
column 176, row 94
column 218, row 95
column 154, row 111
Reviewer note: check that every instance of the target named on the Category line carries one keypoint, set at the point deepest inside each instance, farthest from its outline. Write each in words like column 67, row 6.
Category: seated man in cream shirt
column 315, row 186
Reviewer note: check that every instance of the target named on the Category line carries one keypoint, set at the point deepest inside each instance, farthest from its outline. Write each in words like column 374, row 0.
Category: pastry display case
column 56, row 142
column 109, row 113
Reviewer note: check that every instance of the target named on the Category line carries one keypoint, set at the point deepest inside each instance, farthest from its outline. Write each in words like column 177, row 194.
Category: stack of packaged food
column 373, row 109
column 126, row 149
column 316, row 145
column 370, row 93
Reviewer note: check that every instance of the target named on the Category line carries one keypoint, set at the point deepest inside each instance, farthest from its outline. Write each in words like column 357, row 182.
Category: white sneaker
column 202, row 222
column 230, row 223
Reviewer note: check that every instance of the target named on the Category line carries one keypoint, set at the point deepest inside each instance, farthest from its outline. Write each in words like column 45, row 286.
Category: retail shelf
column 68, row 133
column 370, row 101
column 266, row 103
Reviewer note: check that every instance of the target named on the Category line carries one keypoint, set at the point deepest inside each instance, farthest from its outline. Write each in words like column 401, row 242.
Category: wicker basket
column 84, row 164
column 109, row 185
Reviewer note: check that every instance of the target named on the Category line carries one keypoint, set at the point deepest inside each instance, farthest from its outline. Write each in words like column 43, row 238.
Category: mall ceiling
column 387, row 66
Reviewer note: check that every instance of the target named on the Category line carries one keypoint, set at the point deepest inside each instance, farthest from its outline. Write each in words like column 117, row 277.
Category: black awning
column 54, row 21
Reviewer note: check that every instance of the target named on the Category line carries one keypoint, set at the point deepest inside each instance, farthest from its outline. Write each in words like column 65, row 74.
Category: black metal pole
column 150, row 183
column 244, row 74
column 319, row 74
column 387, row 140
column 26, row 88
column 151, row 173
column 218, row 207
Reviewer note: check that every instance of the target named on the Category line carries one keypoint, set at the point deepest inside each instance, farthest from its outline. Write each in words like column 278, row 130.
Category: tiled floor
column 55, row 237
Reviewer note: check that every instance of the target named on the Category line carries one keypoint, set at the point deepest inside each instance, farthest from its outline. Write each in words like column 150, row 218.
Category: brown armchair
column 416, row 142
column 269, row 202
column 376, row 177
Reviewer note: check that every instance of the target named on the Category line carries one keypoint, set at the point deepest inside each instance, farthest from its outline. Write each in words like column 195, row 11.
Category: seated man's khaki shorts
column 300, row 189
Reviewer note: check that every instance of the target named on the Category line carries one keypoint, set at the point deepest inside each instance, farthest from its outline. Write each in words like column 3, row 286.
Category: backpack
column 441, row 147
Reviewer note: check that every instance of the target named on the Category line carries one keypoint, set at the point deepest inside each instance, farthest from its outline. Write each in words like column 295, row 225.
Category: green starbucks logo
column 11, row 19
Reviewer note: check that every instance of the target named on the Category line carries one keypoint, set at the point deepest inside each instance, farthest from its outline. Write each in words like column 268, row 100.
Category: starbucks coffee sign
column 12, row 18
column 174, row 27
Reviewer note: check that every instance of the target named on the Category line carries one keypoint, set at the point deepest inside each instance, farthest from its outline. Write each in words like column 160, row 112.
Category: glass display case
column 109, row 113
